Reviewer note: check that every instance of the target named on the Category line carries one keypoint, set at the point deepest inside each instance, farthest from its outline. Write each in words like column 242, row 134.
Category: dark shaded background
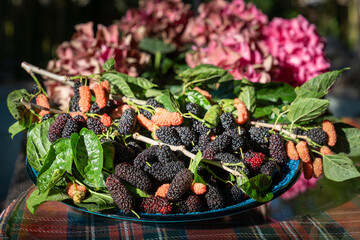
column 31, row 30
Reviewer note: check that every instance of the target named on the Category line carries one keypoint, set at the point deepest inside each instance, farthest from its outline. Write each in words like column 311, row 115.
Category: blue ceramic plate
column 290, row 174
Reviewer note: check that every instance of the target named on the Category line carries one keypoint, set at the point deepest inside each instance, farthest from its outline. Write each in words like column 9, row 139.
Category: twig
column 142, row 138
column 278, row 127
column 30, row 105
column 31, row 69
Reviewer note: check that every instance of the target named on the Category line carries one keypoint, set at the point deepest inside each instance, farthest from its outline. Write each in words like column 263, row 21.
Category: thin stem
column 280, row 128
column 30, row 105
column 157, row 60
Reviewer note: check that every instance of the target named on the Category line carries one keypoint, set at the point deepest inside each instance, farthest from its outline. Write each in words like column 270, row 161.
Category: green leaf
column 248, row 96
column 198, row 98
column 319, row 85
column 212, row 116
column 38, row 144
column 195, row 162
column 305, row 109
column 15, row 129
column 57, row 162
column 118, row 84
column 109, row 64
column 17, row 109
column 205, row 73
column 89, row 157
column 258, row 188
column 339, row 168
column 135, row 191
column 228, row 105
column 348, row 139
column 153, row 45
column 263, row 111
column 37, row 198
column 109, row 153
column 97, row 202
column 276, row 92
column 169, row 101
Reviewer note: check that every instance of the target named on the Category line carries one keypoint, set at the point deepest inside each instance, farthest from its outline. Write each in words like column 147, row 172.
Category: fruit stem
column 30, row 105
column 280, row 128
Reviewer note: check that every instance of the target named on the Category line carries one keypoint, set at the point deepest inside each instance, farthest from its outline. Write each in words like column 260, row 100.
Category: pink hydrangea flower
column 297, row 48
column 301, row 186
column 158, row 18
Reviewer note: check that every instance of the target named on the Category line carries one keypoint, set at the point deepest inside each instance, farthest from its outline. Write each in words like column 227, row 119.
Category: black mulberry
column 152, row 102
column 268, row 168
column 180, row 184
column 193, row 108
column 233, row 195
column 121, row 196
column 199, row 128
column 318, row 136
column 81, row 121
column 165, row 154
column 164, row 172
column 56, row 129
column 46, row 117
column 156, row 204
column 134, row 176
column 192, row 204
column 228, row 121
column 148, row 155
column 260, row 135
column 168, row 135
column 277, row 148
column 213, row 196
column 95, row 125
column 187, row 136
column 135, row 147
column 227, row 158
column 218, row 145
column 75, row 99
column 71, row 126
column 127, row 122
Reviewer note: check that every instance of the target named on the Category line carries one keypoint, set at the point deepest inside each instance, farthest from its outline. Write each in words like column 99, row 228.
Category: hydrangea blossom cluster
column 157, row 18
column 237, row 37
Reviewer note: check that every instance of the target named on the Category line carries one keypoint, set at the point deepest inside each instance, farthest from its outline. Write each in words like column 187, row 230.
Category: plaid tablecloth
column 55, row 220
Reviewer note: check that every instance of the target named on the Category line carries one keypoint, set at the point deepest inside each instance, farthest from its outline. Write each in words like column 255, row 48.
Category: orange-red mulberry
column 325, row 150
column 243, row 114
column 117, row 112
column 317, row 167
column 75, row 191
column 291, row 151
column 106, row 86
column 85, row 99
column 303, row 151
column 329, row 128
column 43, row 101
column 106, row 120
column 146, row 123
column 205, row 93
column 100, row 95
column 163, row 117
column 162, row 190
column 198, row 188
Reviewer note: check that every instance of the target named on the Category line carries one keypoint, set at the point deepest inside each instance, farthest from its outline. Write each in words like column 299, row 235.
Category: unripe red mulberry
column 243, row 114
column 106, row 120
column 329, row 128
column 85, row 98
column 198, row 188
column 163, row 117
column 308, row 170
column 205, row 93
column 100, row 95
column 106, row 86
column 75, row 191
column 317, row 167
column 117, row 112
column 156, row 204
column 303, row 151
column 162, row 190
column 43, row 101
column 325, row 150
column 291, row 151
column 146, row 123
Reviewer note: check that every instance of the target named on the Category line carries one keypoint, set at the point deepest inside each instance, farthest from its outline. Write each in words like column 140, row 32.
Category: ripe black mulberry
column 56, row 129
column 134, row 176
column 180, row 184
column 168, row 135
column 127, row 122
column 228, row 121
column 277, row 149
column 318, row 136
column 156, row 204
column 213, row 196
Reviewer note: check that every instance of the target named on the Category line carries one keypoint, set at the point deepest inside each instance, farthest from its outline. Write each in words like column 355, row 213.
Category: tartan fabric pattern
column 59, row 221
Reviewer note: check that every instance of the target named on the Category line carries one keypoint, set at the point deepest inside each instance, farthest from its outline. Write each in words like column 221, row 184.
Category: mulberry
column 163, row 117
column 95, row 108
column 85, row 98
column 199, row 128
column 303, row 151
column 156, row 204
column 100, row 96
column 180, row 184
column 254, row 160
column 148, row 155
column 43, row 101
column 192, row 204
column 75, row 99
column 162, row 190
column 164, row 172
column 329, row 129
column 227, row 158
column 133, row 175
column 228, row 121
column 75, row 191
column 237, row 141
column 298, row 131
column 56, row 129
column 106, row 120
column 121, row 196
column 213, row 196
column 135, row 147
column 205, row 93
column 46, row 117
column 106, row 86
column 127, row 122
column 233, row 195
column 193, row 108
column 325, row 150
column 74, row 114
column 317, row 167
column 260, row 135
column 308, row 170
column 95, row 125
column 146, row 123
column 291, row 150
column 187, row 136
column 81, row 121
column 119, row 111
column 165, row 154
column 243, row 114
column 123, row 153
column 198, row 188
column 152, row 102
column 277, row 148
column 218, row 145
column 71, row 126
column 168, row 135
column 318, row 136
column 268, row 168
column 35, row 88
